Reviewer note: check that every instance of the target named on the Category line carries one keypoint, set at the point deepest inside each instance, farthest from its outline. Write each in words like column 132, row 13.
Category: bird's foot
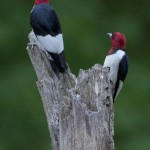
column 31, row 45
column 107, row 101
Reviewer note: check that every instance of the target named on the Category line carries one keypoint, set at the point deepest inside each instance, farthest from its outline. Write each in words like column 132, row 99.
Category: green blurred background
column 85, row 23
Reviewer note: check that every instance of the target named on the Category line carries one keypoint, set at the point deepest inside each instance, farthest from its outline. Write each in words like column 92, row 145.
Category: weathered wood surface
column 79, row 110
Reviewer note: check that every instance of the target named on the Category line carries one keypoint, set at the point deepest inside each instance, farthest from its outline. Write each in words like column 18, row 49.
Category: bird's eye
column 113, row 36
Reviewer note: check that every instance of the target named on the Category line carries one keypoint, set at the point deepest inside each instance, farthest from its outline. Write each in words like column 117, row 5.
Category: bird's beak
column 110, row 34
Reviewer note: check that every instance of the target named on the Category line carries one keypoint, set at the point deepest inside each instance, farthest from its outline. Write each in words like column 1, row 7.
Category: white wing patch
column 52, row 44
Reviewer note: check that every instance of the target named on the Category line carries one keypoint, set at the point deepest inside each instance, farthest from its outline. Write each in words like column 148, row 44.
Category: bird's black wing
column 122, row 72
column 123, row 68
column 59, row 60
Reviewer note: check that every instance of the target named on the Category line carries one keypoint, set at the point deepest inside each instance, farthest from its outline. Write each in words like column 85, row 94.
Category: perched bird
column 47, row 29
column 117, row 62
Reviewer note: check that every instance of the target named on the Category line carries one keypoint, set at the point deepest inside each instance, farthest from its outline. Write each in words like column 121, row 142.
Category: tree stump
column 79, row 110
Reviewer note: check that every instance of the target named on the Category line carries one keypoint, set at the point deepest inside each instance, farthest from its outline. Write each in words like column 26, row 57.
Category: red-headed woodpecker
column 47, row 29
column 117, row 62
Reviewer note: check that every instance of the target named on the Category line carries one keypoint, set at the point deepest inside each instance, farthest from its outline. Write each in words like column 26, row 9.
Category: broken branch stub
column 79, row 110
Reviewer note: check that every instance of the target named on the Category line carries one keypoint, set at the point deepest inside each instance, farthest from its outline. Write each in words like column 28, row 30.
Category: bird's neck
column 114, row 50
column 41, row 2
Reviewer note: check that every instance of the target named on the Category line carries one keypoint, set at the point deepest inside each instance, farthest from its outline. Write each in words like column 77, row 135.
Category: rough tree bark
column 79, row 110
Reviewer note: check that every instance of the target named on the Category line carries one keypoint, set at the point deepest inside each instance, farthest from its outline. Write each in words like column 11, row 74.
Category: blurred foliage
column 85, row 24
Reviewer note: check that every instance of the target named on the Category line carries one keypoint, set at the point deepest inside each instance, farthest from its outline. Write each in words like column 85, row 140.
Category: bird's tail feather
column 60, row 62
column 54, row 68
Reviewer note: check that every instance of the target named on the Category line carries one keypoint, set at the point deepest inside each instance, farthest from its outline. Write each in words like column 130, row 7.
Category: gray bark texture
column 79, row 110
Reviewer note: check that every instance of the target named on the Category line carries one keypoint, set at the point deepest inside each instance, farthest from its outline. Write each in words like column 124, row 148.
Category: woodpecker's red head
column 40, row 2
column 118, row 41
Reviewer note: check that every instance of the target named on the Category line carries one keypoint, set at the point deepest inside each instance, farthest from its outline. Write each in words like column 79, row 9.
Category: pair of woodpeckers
column 47, row 29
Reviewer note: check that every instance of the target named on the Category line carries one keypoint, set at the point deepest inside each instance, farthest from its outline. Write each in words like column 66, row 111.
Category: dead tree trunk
column 79, row 110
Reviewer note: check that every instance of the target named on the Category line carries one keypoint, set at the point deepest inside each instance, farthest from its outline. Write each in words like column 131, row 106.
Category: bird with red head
column 47, row 29
column 117, row 62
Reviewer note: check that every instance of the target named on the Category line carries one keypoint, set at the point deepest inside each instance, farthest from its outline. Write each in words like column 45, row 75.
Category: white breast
column 113, row 61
